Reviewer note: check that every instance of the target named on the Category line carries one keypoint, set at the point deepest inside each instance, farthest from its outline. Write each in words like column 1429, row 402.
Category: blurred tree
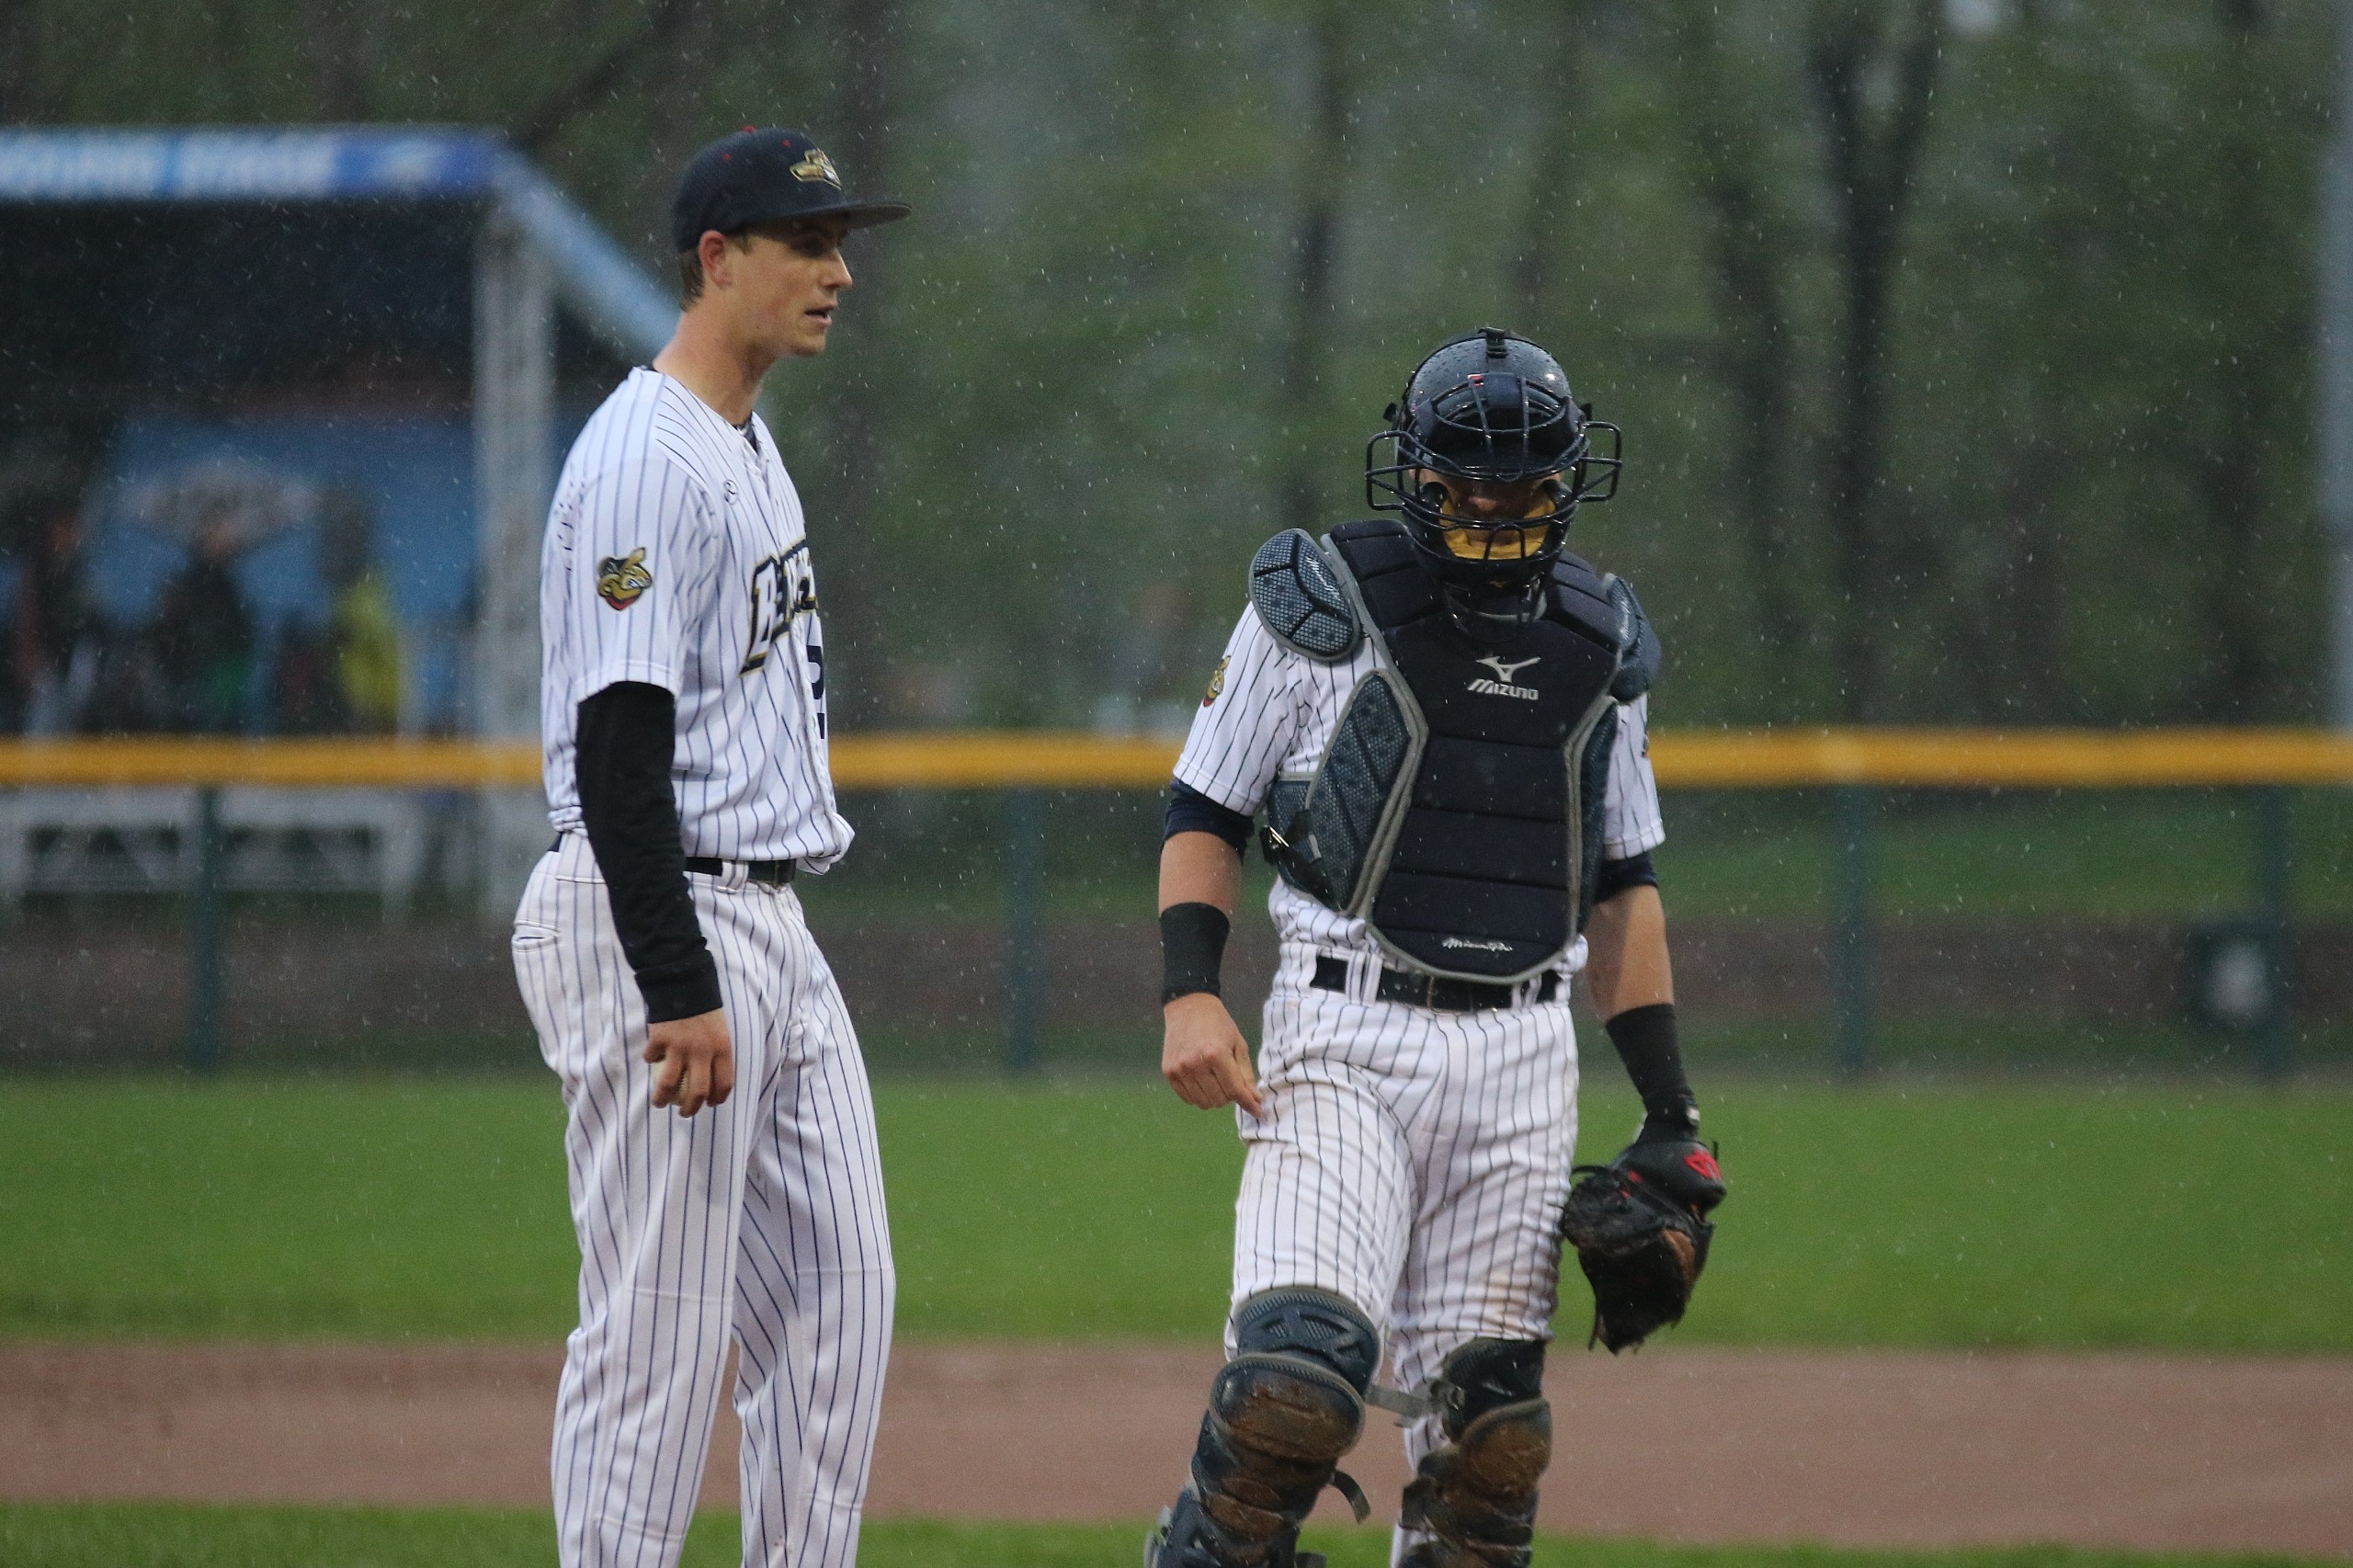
column 857, row 114
column 1322, row 177
column 2247, row 410
column 1558, row 40
column 341, row 43
column 1872, row 72
column 1965, row 367
column 21, row 60
column 603, row 76
column 2112, row 310
column 1727, row 156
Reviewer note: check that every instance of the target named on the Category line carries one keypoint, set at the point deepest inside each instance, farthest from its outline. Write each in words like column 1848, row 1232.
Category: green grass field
column 2058, row 1215
column 159, row 1536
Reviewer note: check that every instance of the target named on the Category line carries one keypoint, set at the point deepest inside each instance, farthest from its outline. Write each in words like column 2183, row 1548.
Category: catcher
column 1440, row 714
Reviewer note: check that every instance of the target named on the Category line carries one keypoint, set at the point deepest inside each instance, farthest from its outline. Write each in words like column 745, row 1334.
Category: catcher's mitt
column 1640, row 1225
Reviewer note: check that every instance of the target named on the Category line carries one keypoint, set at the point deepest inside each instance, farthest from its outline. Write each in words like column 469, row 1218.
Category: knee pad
column 1317, row 1325
column 1282, row 1412
column 1476, row 1492
column 1482, row 1374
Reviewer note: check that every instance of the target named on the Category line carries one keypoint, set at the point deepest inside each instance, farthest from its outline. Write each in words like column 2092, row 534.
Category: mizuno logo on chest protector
column 1502, row 685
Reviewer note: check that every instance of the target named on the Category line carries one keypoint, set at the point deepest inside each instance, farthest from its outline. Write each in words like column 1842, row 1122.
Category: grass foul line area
column 165, row 1536
column 2059, row 1216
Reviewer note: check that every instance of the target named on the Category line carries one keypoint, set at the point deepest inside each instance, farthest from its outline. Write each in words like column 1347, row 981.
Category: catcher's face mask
column 1495, row 520
column 1485, row 458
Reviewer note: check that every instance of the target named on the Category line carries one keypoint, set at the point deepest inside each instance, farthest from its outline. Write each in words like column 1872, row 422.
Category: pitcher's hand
column 697, row 1061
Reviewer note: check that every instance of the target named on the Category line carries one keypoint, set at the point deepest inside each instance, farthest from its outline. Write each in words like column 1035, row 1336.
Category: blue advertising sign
column 246, row 165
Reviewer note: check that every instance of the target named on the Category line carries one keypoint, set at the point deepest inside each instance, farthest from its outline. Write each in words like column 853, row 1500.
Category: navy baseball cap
column 764, row 175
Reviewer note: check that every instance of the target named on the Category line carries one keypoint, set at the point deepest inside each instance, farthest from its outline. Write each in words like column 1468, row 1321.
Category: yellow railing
column 1987, row 758
column 1064, row 759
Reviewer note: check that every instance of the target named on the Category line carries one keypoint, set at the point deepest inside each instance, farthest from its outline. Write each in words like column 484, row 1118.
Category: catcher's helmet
column 1491, row 410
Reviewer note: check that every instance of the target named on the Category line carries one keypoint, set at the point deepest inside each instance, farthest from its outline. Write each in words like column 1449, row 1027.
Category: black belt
column 1430, row 990
column 774, row 873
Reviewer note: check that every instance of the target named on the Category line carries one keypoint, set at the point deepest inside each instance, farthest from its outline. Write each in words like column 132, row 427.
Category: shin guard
column 1476, row 1492
column 1281, row 1413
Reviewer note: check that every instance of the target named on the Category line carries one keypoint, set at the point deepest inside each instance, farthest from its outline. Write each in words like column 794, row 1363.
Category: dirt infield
column 1695, row 1445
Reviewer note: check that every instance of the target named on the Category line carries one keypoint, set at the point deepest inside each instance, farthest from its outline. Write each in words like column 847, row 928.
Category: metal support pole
column 2333, row 357
column 514, row 475
column 207, row 913
column 1025, row 929
column 2274, row 833
column 2340, row 651
column 1851, row 983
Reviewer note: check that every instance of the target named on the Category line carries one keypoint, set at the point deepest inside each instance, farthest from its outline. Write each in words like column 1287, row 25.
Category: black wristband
column 1192, row 949
column 1647, row 1043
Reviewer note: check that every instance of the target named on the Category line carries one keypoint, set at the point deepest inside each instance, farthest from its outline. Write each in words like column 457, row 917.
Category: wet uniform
column 1410, row 1159
column 676, row 565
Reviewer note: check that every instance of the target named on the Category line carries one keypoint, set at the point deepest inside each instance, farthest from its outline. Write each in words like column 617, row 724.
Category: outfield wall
column 931, row 990
column 960, row 845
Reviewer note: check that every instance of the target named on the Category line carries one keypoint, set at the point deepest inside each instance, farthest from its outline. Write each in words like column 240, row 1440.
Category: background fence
column 2051, row 887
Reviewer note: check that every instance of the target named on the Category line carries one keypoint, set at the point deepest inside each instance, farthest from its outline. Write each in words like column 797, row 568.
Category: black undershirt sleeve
column 625, row 737
column 1190, row 810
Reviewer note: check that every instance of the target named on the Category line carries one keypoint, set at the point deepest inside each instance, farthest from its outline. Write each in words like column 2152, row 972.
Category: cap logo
column 816, row 166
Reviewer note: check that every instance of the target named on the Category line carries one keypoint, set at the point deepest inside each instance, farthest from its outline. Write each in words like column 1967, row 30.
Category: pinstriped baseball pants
column 761, row 1220
column 1412, row 1161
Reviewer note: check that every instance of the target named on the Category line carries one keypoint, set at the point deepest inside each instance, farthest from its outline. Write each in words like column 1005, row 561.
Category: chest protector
column 1457, row 809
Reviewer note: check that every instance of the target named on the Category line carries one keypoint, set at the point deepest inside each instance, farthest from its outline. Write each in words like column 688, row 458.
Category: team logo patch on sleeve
column 1217, row 682
column 621, row 579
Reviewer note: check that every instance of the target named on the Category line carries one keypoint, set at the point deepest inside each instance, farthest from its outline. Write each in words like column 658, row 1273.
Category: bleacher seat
column 135, row 840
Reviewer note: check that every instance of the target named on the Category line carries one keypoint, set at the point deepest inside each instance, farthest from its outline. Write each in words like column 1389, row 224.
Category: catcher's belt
column 1429, row 991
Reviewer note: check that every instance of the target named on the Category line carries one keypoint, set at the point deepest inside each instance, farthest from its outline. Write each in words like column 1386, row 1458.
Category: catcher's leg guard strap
column 1476, row 1492
column 1281, row 1413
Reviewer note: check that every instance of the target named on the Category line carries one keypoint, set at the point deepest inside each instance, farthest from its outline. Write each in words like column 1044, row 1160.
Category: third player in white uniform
column 660, row 945
column 1441, row 720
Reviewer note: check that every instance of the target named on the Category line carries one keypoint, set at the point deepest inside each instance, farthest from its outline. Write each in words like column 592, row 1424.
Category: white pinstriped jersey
column 677, row 555
column 1272, row 710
